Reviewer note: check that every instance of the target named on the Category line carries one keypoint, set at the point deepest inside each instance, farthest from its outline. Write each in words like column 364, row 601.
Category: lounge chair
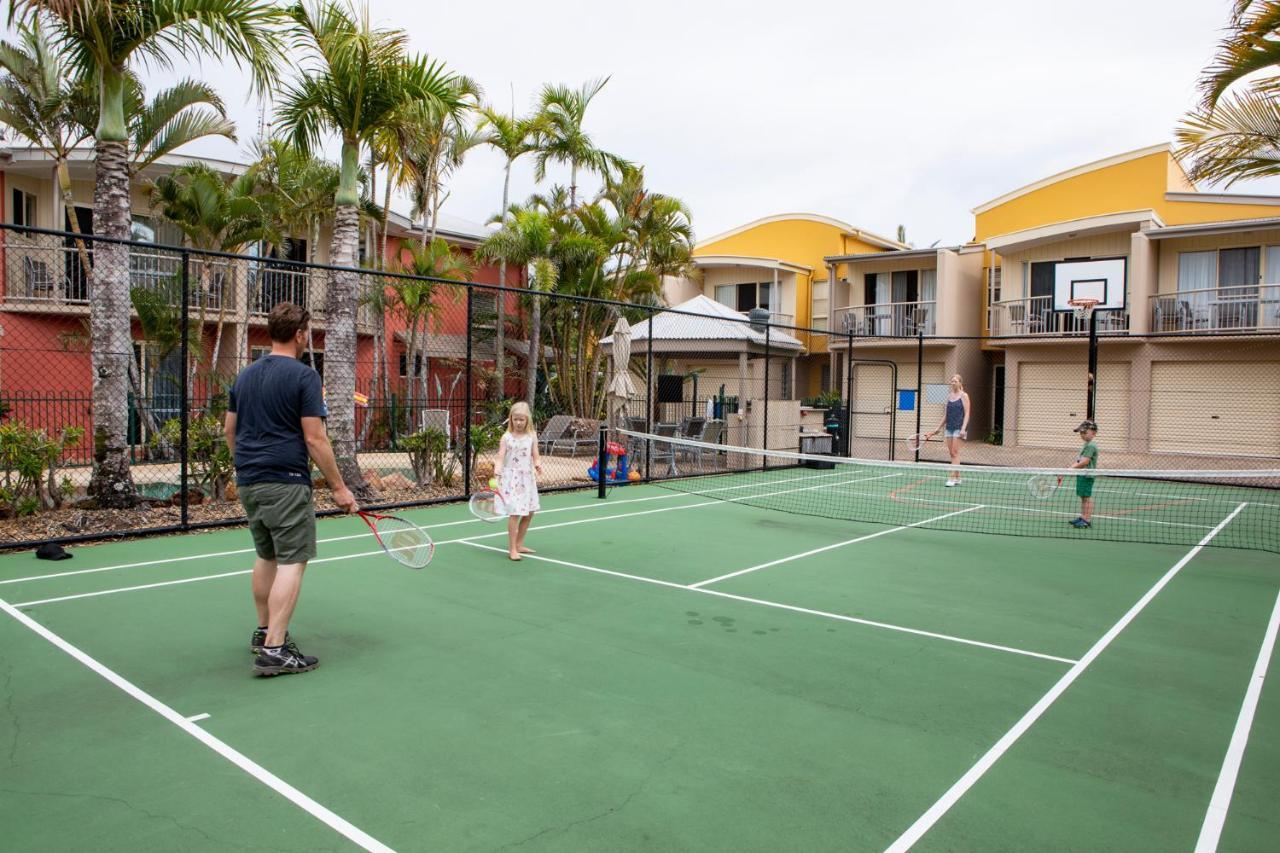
column 553, row 431
column 581, row 433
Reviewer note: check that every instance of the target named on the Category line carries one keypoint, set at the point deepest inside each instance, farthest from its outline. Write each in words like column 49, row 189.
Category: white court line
column 830, row 547
column 257, row 771
column 197, row 718
column 379, row 551
column 238, row 551
column 888, row 626
column 953, row 794
column 1216, row 816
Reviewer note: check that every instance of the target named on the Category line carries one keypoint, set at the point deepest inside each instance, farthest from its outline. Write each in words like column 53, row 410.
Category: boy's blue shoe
column 1080, row 523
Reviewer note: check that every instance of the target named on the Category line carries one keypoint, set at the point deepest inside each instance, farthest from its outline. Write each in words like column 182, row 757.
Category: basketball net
column 1082, row 308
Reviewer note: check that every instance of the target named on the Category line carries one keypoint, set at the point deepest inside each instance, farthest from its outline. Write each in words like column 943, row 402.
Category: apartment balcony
column 1218, row 309
column 1035, row 316
column 887, row 319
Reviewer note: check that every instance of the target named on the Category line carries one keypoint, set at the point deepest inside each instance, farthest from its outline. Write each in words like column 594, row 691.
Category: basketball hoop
column 1082, row 307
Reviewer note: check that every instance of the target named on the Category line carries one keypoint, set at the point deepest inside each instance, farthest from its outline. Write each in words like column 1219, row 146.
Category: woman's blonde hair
column 522, row 408
column 961, row 378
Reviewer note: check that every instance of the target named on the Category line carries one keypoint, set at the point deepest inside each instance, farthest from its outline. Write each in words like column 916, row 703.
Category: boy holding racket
column 274, row 427
column 1088, row 458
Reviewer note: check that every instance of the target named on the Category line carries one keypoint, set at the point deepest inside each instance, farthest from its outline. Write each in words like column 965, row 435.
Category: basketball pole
column 1092, row 398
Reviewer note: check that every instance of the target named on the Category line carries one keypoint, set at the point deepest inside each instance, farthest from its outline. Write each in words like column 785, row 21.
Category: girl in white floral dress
column 518, row 462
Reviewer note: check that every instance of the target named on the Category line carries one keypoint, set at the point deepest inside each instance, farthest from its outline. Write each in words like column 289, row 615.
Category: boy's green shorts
column 282, row 520
column 1084, row 487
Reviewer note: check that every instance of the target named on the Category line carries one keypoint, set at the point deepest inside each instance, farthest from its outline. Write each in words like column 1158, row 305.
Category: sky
column 875, row 113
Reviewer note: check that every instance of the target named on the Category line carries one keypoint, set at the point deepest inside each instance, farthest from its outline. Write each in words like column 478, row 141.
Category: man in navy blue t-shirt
column 274, row 429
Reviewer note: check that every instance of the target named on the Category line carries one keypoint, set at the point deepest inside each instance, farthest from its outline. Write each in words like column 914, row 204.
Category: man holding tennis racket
column 1088, row 458
column 274, row 427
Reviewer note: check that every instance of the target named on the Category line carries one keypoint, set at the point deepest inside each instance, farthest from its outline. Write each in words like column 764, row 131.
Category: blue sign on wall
column 906, row 400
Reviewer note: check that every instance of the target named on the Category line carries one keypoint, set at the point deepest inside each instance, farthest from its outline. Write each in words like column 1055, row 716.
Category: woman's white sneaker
column 951, row 483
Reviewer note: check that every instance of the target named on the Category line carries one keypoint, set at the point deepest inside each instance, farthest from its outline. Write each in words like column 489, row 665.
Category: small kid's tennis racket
column 1042, row 486
column 404, row 542
column 916, row 441
column 488, row 505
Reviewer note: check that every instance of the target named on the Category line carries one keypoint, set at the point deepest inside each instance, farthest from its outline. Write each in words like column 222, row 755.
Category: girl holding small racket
column 955, row 420
column 516, row 472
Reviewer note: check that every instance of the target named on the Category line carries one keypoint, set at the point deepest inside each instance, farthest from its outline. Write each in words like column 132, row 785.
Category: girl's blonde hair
column 522, row 408
column 961, row 378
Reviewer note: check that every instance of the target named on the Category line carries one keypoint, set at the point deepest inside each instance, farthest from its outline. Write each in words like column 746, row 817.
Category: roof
column 928, row 252
column 1129, row 220
column 1073, row 172
column 706, row 320
column 749, row 261
column 455, row 346
column 1232, row 226
column 845, row 228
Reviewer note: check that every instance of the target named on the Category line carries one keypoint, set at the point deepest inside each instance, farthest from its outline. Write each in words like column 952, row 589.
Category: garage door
column 874, row 400
column 1051, row 401
column 1230, row 408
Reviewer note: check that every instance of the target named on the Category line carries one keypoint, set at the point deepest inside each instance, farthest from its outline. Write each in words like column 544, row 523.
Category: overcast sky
column 877, row 113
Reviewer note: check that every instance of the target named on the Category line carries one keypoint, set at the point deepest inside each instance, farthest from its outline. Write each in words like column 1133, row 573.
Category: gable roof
column 844, row 227
column 1073, row 172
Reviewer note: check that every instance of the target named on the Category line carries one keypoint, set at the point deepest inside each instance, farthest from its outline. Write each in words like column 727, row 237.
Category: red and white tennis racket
column 916, row 441
column 488, row 505
column 403, row 541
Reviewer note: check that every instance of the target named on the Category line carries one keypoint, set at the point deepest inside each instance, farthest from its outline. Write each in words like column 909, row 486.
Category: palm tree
column 102, row 39
column 513, row 137
column 1232, row 135
column 213, row 215
column 356, row 82
column 561, row 138
column 37, row 101
column 419, row 299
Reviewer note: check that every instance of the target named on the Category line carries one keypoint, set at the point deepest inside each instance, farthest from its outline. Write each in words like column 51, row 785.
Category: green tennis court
column 671, row 671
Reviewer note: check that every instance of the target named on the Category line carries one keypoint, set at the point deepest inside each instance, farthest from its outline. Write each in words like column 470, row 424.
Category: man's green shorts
column 1084, row 487
column 282, row 519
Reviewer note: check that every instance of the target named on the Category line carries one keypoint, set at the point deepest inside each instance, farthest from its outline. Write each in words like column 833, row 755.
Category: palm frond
column 1237, row 139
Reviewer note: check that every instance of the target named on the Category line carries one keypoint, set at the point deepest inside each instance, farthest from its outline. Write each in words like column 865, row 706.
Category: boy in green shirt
column 1088, row 458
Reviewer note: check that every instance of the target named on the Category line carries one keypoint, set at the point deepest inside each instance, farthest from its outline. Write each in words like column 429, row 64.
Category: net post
column 848, row 398
column 1092, row 396
column 764, row 440
column 184, row 391
column 467, row 462
column 602, row 460
column 648, row 394
column 919, row 385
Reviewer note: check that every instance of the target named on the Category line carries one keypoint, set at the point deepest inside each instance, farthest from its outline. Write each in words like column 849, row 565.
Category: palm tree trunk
column 222, row 314
column 535, row 349
column 386, row 218
column 69, row 202
column 112, row 482
column 201, row 317
column 340, row 327
column 500, row 340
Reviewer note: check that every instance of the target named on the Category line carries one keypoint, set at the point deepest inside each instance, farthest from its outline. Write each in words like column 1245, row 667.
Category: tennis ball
column 493, row 482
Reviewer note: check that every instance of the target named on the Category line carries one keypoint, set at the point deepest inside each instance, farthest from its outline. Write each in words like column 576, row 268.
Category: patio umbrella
column 621, row 388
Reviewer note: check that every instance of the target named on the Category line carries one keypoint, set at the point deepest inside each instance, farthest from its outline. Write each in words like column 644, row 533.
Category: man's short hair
column 285, row 320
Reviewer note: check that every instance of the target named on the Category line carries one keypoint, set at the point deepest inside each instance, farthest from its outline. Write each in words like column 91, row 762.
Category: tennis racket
column 1042, row 486
column 404, row 542
column 488, row 505
column 916, row 441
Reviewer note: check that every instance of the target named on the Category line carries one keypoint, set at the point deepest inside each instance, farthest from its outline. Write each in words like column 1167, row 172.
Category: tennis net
column 1155, row 506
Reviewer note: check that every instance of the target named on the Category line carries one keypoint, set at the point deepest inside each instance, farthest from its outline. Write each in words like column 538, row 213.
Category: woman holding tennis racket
column 955, row 420
column 517, row 471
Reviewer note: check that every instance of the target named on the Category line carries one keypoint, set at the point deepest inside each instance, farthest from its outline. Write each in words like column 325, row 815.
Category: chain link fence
column 116, row 358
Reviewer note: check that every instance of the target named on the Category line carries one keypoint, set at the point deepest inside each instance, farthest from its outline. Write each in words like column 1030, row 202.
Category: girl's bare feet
column 514, row 557
column 526, row 550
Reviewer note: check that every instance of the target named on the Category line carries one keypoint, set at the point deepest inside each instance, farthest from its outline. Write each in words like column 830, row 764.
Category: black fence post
column 848, row 399
column 764, row 440
column 1091, row 399
column 602, row 459
column 466, row 415
column 184, row 391
column 919, row 387
column 648, row 394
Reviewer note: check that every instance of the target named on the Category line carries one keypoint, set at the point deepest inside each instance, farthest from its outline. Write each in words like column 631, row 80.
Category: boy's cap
column 1084, row 425
column 50, row 551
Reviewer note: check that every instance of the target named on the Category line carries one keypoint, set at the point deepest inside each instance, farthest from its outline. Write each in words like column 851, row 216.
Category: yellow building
column 1188, row 284
column 778, row 263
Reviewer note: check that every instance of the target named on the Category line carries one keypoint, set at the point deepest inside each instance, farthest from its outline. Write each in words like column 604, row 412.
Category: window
column 820, row 302
column 744, row 297
column 993, row 283
column 1239, row 267
column 404, row 364
column 24, row 209
column 875, row 288
column 928, row 285
column 787, row 367
column 1197, row 271
column 305, row 358
column 256, row 353
column 484, row 308
column 824, row 376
